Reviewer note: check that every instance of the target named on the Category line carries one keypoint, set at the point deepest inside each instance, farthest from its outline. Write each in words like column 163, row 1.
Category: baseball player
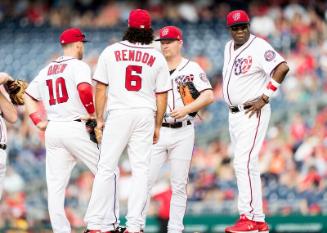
column 65, row 89
column 9, row 113
column 134, row 75
column 177, row 133
column 252, row 73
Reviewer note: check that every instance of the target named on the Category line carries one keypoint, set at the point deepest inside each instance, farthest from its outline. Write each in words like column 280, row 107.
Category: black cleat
column 120, row 229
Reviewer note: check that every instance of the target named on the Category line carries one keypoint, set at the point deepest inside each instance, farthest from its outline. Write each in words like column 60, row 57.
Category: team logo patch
column 242, row 65
column 270, row 55
column 236, row 16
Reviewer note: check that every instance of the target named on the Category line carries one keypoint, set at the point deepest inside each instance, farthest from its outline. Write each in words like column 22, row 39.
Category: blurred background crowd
column 294, row 156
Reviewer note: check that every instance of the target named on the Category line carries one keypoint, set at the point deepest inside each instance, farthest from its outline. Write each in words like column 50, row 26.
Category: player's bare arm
column 254, row 107
column 161, row 100
column 100, row 102
column 8, row 110
column 32, row 110
column 279, row 73
column 206, row 97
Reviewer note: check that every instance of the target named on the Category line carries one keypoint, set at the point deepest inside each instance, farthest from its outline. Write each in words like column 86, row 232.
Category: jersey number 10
column 133, row 82
column 60, row 91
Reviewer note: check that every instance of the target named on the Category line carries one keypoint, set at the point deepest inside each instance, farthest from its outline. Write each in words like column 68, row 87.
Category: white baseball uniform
column 66, row 138
column 176, row 144
column 133, row 73
column 3, row 154
column 246, row 72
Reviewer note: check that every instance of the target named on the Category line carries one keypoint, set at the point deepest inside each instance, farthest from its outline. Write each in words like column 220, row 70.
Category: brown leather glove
column 188, row 94
column 16, row 90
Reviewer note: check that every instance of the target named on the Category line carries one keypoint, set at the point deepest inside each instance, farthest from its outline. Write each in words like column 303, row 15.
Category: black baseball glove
column 90, row 127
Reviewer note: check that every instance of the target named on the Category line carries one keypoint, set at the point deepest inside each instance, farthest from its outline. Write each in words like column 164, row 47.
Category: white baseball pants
column 177, row 146
column 66, row 143
column 3, row 159
column 133, row 128
column 247, row 136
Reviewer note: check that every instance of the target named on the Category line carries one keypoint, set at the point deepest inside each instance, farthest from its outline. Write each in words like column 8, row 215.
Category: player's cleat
column 120, row 229
column 262, row 227
column 243, row 225
column 126, row 231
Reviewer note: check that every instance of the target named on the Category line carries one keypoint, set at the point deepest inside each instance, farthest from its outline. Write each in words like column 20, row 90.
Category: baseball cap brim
column 239, row 23
column 160, row 39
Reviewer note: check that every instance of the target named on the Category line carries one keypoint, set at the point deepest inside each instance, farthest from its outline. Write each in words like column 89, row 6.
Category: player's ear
column 78, row 45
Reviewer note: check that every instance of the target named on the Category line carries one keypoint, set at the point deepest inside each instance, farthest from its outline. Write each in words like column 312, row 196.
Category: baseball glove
column 16, row 90
column 188, row 93
column 90, row 128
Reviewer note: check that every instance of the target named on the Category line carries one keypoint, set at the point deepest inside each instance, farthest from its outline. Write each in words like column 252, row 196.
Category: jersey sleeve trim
column 205, row 89
column 31, row 96
column 161, row 92
column 272, row 71
column 107, row 84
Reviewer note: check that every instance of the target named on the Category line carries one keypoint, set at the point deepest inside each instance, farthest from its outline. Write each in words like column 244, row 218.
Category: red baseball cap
column 237, row 17
column 139, row 18
column 170, row 33
column 72, row 35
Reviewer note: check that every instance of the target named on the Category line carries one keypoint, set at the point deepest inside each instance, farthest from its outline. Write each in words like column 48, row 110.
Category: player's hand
column 99, row 130
column 156, row 135
column 254, row 106
column 178, row 113
column 42, row 125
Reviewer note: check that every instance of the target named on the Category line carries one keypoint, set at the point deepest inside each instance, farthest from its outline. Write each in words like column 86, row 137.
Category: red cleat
column 262, row 227
column 243, row 225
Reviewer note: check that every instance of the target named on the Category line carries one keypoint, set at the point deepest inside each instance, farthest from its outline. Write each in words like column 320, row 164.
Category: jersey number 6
column 60, row 90
column 133, row 82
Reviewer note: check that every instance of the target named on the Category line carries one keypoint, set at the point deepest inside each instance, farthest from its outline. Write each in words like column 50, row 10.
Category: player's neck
column 70, row 53
column 173, row 62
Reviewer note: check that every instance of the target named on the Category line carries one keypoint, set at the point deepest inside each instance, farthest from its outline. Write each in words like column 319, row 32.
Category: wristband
column 271, row 88
column 35, row 117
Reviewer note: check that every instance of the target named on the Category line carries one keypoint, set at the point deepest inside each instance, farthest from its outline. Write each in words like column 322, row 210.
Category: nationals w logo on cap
column 170, row 33
column 237, row 17
column 164, row 31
